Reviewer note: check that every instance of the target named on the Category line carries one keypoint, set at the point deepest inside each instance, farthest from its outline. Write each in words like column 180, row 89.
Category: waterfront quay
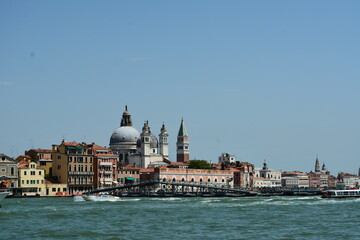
column 139, row 164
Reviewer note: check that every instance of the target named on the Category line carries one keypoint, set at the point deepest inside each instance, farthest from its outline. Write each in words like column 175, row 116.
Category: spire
column 146, row 128
column 163, row 130
column 317, row 165
column 265, row 165
column 126, row 118
column 182, row 130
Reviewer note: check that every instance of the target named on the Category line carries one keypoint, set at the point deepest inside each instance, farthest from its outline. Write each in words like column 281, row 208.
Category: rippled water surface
column 181, row 218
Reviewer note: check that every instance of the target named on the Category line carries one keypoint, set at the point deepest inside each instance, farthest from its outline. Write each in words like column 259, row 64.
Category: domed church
column 123, row 140
column 141, row 150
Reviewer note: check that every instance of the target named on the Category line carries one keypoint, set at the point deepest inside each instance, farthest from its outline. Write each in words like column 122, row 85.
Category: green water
column 181, row 218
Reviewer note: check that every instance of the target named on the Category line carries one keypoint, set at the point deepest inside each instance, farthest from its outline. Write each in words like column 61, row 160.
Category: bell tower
column 317, row 165
column 182, row 144
column 163, row 142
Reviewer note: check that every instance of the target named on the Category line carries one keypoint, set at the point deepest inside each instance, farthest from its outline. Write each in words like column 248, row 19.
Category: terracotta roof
column 179, row 164
column 97, row 147
column 70, row 144
column 41, row 150
column 23, row 164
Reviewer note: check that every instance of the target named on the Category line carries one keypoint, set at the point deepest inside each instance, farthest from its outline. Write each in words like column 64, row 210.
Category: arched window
column 209, row 180
column 174, row 180
column 183, row 179
column 192, row 179
column 164, row 179
column 215, row 179
column 200, row 179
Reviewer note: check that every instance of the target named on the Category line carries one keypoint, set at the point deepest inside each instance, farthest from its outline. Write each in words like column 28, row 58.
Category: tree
column 199, row 164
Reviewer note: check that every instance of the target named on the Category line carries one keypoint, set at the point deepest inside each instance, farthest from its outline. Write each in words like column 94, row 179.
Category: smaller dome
column 153, row 141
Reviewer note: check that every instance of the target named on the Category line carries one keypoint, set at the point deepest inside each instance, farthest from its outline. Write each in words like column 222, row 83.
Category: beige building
column 32, row 182
column 295, row 179
column 73, row 165
column 31, row 179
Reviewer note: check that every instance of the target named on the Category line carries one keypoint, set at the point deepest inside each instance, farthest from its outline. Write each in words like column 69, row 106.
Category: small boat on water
column 348, row 193
column 100, row 197
column 3, row 195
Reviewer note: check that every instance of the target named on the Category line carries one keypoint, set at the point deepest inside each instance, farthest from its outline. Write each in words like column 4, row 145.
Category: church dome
column 153, row 141
column 125, row 134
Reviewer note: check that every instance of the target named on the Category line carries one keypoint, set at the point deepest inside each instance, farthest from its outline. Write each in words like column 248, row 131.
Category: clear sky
column 274, row 80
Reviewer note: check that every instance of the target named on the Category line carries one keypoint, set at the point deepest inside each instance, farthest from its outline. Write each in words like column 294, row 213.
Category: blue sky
column 274, row 80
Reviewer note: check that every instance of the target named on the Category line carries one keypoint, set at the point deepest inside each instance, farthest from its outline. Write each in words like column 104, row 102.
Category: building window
column 37, row 182
column 39, row 172
column 27, row 181
column 22, row 181
column 53, row 189
column 12, row 171
column 25, row 173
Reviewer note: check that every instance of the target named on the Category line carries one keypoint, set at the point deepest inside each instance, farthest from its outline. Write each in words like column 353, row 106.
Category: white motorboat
column 100, row 198
column 348, row 193
column 3, row 195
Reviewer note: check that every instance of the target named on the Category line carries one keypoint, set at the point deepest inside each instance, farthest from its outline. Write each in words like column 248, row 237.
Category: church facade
column 146, row 150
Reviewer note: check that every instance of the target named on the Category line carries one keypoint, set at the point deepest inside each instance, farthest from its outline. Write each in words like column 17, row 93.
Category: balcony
column 81, row 173
column 108, row 164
